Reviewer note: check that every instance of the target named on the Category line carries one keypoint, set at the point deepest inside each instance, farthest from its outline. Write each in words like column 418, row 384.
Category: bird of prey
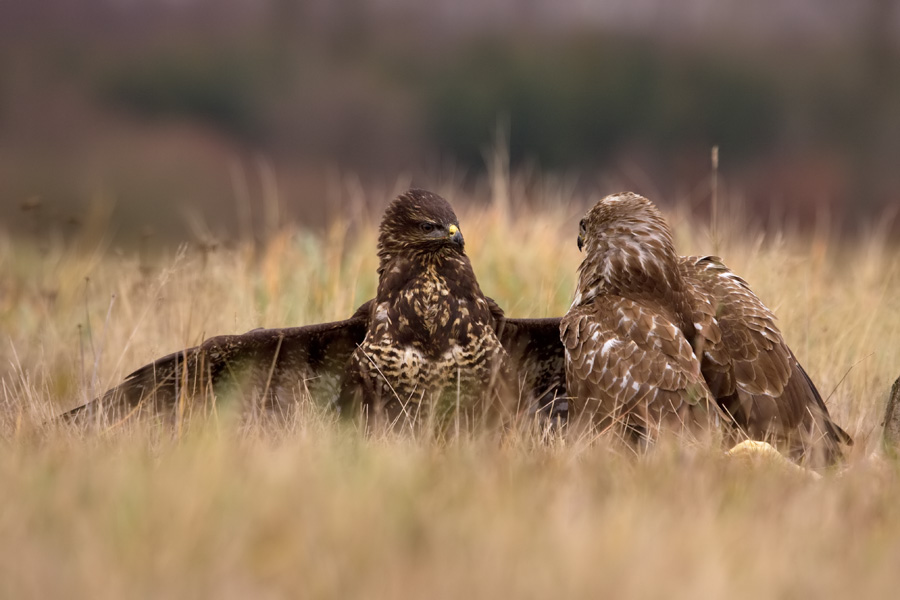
column 428, row 338
column 654, row 340
column 431, row 336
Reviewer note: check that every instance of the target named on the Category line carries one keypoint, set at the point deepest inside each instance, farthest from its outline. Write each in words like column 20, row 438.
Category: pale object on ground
column 752, row 451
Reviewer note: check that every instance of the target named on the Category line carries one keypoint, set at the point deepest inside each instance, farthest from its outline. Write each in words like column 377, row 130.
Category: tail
column 830, row 435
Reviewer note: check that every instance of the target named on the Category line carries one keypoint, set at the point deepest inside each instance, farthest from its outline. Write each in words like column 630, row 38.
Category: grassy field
column 313, row 509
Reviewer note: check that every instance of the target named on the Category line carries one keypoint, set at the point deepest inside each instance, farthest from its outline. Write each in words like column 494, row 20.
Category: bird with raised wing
column 430, row 338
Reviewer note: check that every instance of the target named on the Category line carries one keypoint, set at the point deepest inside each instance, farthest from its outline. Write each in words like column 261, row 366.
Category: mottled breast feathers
column 432, row 339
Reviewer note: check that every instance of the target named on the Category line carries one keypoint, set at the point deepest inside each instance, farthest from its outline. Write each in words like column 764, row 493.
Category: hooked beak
column 580, row 242
column 455, row 235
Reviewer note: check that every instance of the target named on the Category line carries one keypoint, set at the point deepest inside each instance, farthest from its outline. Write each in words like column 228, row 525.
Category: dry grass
column 312, row 509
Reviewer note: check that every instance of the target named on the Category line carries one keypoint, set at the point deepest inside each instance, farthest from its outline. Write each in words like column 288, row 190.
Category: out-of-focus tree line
column 159, row 105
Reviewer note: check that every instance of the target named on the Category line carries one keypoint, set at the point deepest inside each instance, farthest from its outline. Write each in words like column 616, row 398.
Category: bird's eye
column 427, row 227
column 581, row 228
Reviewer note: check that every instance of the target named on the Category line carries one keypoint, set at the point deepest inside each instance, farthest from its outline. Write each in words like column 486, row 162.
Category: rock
column 891, row 422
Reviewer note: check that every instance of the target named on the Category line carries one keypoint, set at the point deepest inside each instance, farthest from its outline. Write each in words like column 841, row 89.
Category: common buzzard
column 429, row 338
column 651, row 337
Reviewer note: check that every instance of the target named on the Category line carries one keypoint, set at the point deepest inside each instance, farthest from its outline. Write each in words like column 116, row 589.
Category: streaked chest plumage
column 426, row 338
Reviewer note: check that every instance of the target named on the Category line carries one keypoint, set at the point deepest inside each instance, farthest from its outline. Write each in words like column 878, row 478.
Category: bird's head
column 627, row 245
column 419, row 222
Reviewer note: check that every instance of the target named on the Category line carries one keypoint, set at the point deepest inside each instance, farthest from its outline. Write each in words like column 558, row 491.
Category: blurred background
column 146, row 112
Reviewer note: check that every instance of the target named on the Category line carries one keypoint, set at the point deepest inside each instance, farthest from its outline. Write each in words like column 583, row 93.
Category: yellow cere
column 453, row 229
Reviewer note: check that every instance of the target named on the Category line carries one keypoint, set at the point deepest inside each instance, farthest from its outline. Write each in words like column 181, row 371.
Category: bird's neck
column 450, row 270
column 632, row 266
column 432, row 305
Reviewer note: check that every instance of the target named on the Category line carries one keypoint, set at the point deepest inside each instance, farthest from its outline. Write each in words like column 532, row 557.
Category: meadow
column 312, row 508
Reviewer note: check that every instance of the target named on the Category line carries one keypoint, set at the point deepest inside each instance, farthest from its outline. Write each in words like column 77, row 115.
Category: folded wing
column 630, row 368
column 750, row 368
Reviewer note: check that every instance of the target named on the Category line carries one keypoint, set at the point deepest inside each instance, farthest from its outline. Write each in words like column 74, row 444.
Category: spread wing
column 626, row 362
column 271, row 366
column 750, row 369
column 537, row 360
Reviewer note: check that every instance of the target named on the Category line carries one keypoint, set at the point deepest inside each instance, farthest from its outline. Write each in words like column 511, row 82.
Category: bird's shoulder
column 625, row 335
column 737, row 337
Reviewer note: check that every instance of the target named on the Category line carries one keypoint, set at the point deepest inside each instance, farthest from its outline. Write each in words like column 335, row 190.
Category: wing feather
column 537, row 360
column 750, row 368
column 268, row 365
column 624, row 358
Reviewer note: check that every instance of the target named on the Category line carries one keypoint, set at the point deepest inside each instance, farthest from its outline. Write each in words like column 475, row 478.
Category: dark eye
column 581, row 227
column 427, row 227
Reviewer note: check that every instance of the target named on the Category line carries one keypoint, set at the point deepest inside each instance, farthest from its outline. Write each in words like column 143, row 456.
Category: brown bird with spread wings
column 659, row 341
column 430, row 337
